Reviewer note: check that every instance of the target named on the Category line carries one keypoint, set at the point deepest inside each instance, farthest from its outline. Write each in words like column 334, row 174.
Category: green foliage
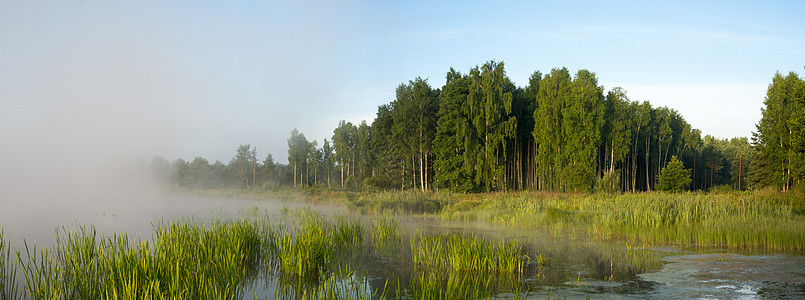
column 568, row 125
column 488, row 108
column 780, row 136
column 609, row 183
column 377, row 183
column 674, row 177
column 448, row 145
column 480, row 132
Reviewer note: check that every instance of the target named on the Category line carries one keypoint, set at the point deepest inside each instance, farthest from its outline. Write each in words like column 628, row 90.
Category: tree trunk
column 740, row 168
column 421, row 169
column 648, row 184
column 402, row 177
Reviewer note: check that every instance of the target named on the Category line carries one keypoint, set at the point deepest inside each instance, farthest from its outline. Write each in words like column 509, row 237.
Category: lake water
column 576, row 268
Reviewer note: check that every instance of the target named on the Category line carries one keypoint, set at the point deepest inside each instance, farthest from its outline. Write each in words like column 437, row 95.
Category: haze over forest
column 86, row 83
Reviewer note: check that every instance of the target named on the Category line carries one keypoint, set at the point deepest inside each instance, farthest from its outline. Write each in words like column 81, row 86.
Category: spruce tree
column 674, row 177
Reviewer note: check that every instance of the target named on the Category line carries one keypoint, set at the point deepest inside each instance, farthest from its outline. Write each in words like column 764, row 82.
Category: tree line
column 480, row 133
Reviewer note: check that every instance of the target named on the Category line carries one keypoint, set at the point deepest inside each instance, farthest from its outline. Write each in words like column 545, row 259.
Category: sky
column 86, row 82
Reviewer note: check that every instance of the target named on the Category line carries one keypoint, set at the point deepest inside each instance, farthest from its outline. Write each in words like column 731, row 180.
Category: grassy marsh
column 733, row 220
column 306, row 254
column 303, row 254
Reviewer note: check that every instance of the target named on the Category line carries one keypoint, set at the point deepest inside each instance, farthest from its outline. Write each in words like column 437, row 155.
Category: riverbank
column 759, row 220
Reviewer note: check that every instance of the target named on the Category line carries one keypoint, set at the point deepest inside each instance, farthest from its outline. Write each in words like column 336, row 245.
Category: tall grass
column 309, row 248
column 9, row 288
column 457, row 253
column 310, row 257
column 339, row 284
column 409, row 202
column 736, row 220
column 183, row 260
column 385, row 231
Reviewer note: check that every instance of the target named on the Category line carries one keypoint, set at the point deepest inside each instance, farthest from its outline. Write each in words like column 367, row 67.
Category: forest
column 482, row 133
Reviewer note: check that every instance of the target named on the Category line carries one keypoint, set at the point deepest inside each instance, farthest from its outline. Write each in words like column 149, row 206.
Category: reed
column 457, row 253
column 450, row 285
column 340, row 284
column 310, row 248
column 183, row 260
column 9, row 289
column 409, row 202
column 385, row 231
column 735, row 220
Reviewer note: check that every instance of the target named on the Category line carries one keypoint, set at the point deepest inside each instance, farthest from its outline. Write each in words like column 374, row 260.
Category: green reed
column 9, row 289
column 309, row 249
column 339, row 284
column 184, row 260
column 309, row 256
column 385, row 231
column 458, row 253
column 408, row 202
column 736, row 220
column 451, row 285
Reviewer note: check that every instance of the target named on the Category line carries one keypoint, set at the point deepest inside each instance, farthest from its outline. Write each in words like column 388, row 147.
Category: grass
column 185, row 260
column 458, row 253
column 8, row 270
column 735, row 220
column 309, row 255
column 409, row 202
column 386, row 236
column 756, row 220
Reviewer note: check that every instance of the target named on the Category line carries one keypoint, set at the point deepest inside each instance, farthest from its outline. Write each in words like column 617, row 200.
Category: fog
column 91, row 91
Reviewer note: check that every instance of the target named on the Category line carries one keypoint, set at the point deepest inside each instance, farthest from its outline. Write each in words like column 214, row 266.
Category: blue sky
column 193, row 78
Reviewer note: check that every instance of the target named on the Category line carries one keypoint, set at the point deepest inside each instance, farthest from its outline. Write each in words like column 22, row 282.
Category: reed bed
column 389, row 202
column 8, row 270
column 458, row 253
column 309, row 249
column 183, row 260
column 733, row 220
column 435, row 285
column 385, row 231
column 309, row 256
column 339, row 284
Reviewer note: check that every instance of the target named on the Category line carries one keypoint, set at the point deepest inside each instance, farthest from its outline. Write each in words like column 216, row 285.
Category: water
column 575, row 267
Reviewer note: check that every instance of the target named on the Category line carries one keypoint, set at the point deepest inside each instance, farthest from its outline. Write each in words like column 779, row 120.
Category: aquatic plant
column 8, row 270
column 736, row 220
column 408, row 202
column 385, row 232
column 308, row 249
column 183, row 260
column 457, row 253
